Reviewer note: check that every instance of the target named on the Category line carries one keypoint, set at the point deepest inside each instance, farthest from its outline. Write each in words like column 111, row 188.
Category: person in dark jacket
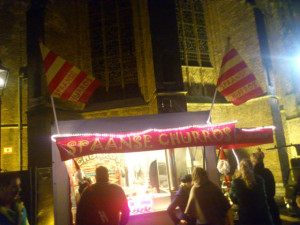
column 298, row 192
column 207, row 202
column 248, row 192
column 180, row 200
column 266, row 174
column 102, row 202
column 12, row 209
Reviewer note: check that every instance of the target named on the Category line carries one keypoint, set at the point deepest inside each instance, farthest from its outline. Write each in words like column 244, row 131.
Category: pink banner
column 72, row 147
column 245, row 137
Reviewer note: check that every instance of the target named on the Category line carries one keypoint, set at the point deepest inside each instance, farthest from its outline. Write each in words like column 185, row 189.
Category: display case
column 142, row 175
column 147, row 178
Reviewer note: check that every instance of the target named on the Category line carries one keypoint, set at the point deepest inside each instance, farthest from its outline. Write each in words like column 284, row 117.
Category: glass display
column 147, row 178
column 142, row 175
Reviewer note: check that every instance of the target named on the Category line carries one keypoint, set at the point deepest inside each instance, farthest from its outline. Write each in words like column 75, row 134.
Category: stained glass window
column 192, row 33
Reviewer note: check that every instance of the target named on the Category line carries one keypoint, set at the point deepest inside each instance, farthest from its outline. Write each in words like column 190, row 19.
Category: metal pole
column 215, row 94
column 168, row 170
column 54, row 113
column 212, row 105
column 171, row 165
column 21, row 75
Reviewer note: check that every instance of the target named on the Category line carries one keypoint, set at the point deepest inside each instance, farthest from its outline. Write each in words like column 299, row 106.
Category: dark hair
column 257, row 158
column 186, row 178
column 6, row 178
column 102, row 174
column 199, row 175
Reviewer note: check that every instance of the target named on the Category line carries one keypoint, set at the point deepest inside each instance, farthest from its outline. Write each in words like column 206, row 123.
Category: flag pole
column 215, row 94
column 212, row 105
column 54, row 113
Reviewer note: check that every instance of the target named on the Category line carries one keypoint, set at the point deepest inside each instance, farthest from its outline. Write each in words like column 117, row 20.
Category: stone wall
column 13, row 56
column 254, row 113
column 66, row 33
column 294, row 133
column 236, row 19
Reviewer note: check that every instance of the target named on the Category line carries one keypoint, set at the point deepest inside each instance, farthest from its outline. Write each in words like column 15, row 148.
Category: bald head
column 101, row 174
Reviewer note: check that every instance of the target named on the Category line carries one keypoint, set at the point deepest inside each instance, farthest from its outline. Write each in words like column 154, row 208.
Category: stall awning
column 152, row 132
column 246, row 137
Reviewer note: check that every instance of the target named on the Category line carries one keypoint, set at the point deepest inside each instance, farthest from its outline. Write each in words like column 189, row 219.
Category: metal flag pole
column 237, row 159
column 215, row 94
column 54, row 113
column 212, row 105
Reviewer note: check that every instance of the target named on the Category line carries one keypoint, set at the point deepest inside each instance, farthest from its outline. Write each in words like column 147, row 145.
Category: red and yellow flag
column 65, row 80
column 237, row 83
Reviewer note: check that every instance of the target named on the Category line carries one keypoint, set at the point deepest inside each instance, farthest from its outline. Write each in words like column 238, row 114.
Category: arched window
column 113, row 47
column 192, row 33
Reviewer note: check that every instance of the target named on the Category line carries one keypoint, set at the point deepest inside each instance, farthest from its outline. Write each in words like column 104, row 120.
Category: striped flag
column 237, row 83
column 65, row 80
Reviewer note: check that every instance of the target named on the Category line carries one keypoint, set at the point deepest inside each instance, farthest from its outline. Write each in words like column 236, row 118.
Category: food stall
column 144, row 154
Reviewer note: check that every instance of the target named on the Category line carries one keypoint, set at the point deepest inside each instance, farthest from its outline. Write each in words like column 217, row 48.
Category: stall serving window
column 147, row 178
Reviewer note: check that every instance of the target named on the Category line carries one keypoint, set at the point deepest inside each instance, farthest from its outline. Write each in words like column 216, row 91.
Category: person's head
column 10, row 187
column 256, row 158
column 102, row 174
column 247, row 173
column 186, row 180
column 199, row 175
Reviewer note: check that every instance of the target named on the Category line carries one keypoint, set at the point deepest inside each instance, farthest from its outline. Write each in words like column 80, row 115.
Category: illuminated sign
column 7, row 150
column 226, row 135
column 153, row 139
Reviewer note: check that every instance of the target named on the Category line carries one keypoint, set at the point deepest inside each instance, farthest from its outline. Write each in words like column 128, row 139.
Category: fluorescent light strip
column 53, row 137
column 257, row 128
column 237, row 159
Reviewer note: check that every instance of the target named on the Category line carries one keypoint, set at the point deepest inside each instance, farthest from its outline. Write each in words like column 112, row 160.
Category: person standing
column 207, row 202
column 180, row 200
column 12, row 210
column 298, row 192
column 248, row 192
column 266, row 174
column 102, row 202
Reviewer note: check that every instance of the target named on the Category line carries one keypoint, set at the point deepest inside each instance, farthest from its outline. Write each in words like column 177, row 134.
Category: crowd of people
column 252, row 190
column 199, row 200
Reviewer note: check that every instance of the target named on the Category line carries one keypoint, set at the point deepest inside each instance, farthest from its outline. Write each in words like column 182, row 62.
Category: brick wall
column 236, row 19
column 223, row 18
column 13, row 56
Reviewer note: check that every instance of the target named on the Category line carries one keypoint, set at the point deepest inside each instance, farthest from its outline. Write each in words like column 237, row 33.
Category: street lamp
column 4, row 73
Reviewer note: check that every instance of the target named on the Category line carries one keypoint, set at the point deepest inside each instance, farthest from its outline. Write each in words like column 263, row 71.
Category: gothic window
column 192, row 33
column 112, row 45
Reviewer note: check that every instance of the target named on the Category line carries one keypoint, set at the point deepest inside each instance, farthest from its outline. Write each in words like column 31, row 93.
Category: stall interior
column 147, row 178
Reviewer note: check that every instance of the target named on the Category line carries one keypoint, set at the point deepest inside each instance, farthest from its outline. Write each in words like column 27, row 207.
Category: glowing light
column 140, row 204
column 237, row 159
column 257, row 128
column 129, row 134
column 297, row 62
column 1, row 82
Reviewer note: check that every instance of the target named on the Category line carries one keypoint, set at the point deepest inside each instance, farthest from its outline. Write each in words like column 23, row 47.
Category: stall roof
column 152, row 132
